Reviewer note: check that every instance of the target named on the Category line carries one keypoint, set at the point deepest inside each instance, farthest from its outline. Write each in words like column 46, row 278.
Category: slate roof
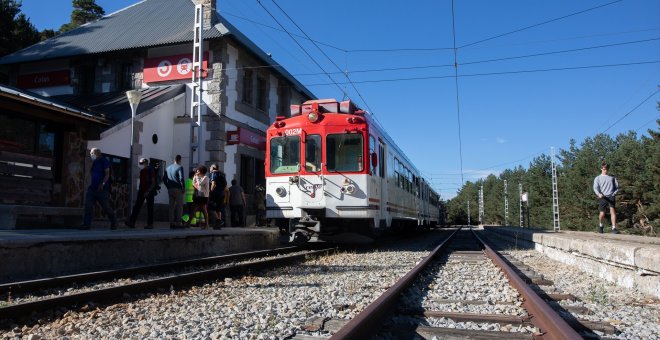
column 114, row 105
column 145, row 24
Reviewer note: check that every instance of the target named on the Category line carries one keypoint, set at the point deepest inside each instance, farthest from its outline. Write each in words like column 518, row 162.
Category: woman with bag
column 201, row 184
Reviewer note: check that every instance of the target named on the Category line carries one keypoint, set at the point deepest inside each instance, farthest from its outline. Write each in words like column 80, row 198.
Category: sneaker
column 615, row 231
column 84, row 227
column 129, row 224
column 600, row 229
column 149, row 227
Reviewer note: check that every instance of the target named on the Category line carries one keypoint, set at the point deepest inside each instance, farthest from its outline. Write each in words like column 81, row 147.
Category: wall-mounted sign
column 246, row 137
column 171, row 68
column 43, row 79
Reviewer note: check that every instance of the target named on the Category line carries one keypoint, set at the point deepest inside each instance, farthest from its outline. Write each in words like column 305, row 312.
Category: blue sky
column 510, row 110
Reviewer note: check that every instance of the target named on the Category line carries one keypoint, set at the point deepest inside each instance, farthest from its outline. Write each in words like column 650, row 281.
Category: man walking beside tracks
column 174, row 181
column 98, row 190
column 606, row 187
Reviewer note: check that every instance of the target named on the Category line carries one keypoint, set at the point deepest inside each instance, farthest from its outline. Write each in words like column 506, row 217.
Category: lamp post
column 134, row 97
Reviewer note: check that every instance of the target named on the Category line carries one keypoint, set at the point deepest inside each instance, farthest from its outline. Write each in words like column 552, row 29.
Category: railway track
column 403, row 310
column 102, row 286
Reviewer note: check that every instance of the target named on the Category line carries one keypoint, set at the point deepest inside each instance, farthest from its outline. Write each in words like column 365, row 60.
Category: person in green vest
column 188, row 200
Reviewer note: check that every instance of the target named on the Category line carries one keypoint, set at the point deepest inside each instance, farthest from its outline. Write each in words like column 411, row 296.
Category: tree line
column 17, row 32
column 634, row 161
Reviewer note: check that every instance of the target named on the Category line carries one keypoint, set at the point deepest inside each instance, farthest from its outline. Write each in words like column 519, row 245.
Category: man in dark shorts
column 606, row 187
column 217, row 196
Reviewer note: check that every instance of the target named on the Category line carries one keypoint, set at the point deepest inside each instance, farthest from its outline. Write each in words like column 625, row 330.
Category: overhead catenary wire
column 325, row 54
column 499, row 73
column 458, row 102
column 540, row 24
column 301, row 47
column 633, row 110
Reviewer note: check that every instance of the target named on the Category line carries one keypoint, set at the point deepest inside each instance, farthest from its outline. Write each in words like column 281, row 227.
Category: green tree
column 16, row 31
column 83, row 12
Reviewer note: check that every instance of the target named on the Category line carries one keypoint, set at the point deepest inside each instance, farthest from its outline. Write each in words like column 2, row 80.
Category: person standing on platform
column 201, row 183
column 236, row 204
column 260, row 204
column 175, row 183
column 98, row 190
column 606, row 187
column 146, row 191
column 217, row 196
column 188, row 199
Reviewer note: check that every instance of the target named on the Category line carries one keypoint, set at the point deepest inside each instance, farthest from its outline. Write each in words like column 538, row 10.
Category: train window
column 313, row 153
column 285, row 155
column 345, row 152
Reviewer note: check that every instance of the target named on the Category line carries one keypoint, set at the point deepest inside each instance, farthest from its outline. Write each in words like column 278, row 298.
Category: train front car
column 317, row 171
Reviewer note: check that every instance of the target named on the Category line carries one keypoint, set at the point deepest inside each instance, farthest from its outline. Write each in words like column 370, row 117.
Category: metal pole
column 506, row 204
column 521, row 202
column 468, row 212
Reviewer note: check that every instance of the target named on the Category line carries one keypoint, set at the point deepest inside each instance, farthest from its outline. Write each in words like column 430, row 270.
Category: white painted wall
column 160, row 121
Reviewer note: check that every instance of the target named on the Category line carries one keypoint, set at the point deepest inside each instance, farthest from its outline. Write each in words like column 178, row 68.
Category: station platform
column 627, row 260
column 35, row 253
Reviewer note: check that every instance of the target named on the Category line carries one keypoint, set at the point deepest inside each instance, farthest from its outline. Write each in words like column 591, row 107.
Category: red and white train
column 331, row 169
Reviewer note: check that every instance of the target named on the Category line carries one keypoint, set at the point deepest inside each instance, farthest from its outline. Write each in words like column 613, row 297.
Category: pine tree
column 16, row 31
column 84, row 11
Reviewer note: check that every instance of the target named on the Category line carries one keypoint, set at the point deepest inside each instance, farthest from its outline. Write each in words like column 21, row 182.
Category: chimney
column 210, row 14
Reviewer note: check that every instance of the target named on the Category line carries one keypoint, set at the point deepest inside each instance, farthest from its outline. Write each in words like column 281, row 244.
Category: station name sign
column 172, row 67
column 43, row 79
column 246, row 137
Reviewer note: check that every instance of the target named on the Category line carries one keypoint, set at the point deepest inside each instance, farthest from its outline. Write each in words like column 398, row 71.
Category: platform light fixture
column 134, row 97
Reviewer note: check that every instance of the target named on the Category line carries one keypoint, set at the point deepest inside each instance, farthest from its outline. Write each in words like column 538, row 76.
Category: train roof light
column 355, row 120
column 313, row 117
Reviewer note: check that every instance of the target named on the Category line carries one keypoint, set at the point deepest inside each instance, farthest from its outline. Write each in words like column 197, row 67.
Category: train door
column 375, row 181
column 383, row 184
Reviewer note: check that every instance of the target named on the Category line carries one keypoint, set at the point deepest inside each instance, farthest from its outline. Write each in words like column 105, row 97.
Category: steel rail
column 31, row 285
column 370, row 320
column 105, row 294
column 542, row 315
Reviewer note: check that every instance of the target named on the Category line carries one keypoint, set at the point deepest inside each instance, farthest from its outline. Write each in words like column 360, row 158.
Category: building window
column 283, row 101
column 87, row 76
column 125, row 77
column 247, row 86
column 262, row 94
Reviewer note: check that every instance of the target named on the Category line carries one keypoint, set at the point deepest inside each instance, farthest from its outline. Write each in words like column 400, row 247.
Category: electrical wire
column 323, row 52
column 633, row 110
column 540, row 24
column 499, row 73
column 301, row 47
column 458, row 102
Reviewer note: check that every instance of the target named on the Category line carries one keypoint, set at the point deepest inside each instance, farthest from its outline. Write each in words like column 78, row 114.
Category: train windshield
column 313, row 153
column 344, row 152
column 285, row 155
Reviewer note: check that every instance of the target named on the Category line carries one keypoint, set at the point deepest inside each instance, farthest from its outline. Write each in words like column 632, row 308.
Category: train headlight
column 350, row 189
column 313, row 117
column 280, row 191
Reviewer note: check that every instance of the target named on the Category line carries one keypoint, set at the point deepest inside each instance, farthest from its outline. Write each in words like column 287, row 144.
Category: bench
column 9, row 214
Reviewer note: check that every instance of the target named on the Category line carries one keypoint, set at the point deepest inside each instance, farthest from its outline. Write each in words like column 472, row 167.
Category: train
column 332, row 170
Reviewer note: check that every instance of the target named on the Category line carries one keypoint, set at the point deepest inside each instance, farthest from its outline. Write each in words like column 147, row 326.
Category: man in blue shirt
column 175, row 183
column 98, row 190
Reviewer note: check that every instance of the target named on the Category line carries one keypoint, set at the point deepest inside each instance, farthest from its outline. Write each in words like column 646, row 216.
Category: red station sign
column 171, row 68
column 246, row 137
column 43, row 79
